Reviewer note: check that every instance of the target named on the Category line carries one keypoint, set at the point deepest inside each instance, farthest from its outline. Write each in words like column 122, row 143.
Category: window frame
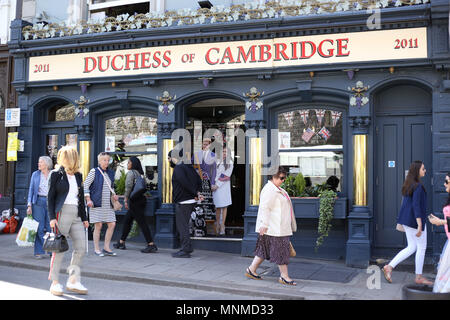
column 344, row 184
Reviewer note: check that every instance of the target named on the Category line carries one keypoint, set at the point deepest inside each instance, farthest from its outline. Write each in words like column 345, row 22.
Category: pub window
column 127, row 136
column 62, row 112
column 310, row 142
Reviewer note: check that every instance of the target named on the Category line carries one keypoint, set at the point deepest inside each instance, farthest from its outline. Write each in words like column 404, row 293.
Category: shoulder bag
column 139, row 188
column 115, row 203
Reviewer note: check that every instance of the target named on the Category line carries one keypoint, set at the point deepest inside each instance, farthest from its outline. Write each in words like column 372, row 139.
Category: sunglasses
column 282, row 178
column 446, row 181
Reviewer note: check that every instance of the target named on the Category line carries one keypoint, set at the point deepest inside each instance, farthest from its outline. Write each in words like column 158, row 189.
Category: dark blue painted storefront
column 414, row 96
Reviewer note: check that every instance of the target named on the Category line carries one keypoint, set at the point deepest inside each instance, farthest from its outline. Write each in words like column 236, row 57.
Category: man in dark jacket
column 186, row 187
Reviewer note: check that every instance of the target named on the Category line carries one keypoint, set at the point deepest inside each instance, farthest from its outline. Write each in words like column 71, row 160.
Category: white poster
column 284, row 140
column 12, row 117
column 110, row 142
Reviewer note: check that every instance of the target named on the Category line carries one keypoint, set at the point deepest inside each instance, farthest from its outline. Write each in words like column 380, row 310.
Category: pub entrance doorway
column 222, row 114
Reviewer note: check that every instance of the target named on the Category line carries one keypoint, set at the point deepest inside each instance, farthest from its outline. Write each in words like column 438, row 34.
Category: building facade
column 355, row 92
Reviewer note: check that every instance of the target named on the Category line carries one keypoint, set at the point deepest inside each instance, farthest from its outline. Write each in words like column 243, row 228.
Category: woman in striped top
column 98, row 198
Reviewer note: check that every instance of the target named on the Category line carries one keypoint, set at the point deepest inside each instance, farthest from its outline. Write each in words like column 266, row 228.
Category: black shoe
column 119, row 245
column 181, row 254
column 151, row 248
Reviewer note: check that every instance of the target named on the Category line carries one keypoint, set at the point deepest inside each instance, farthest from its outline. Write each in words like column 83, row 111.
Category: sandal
column 251, row 275
column 387, row 274
column 284, row 281
column 425, row 281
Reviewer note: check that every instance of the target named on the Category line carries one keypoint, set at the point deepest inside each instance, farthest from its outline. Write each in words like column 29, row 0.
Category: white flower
column 353, row 101
column 398, row 3
column 385, row 3
column 26, row 35
column 364, row 100
column 248, row 104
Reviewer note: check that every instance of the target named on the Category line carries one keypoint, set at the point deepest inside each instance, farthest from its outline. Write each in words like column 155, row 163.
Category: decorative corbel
column 253, row 103
column 166, row 106
column 359, row 98
column 81, row 110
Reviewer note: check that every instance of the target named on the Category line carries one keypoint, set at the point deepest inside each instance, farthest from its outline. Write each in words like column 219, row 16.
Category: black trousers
column 136, row 211
column 182, row 216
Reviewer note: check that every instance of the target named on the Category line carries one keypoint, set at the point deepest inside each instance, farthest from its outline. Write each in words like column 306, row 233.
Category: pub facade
column 356, row 91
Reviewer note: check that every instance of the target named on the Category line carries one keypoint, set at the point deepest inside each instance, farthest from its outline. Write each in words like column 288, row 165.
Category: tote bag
column 27, row 232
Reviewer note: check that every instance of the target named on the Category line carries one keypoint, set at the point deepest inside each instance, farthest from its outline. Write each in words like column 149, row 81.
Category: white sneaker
column 76, row 287
column 56, row 289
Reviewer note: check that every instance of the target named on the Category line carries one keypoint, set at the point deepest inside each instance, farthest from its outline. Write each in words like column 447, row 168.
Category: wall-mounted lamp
column 113, row 84
column 391, row 70
column 83, row 87
column 350, row 73
column 311, row 74
column 55, row 88
column 205, row 81
column 205, row 4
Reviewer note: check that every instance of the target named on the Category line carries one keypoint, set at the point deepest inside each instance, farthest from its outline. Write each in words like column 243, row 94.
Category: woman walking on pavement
column 412, row 218
column 136, row 209
column 97, row 190
column 222, row 195
column 275, row 224
column 37, row 202
column 67, row 213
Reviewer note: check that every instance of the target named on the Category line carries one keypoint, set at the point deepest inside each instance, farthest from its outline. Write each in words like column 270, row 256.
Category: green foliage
column 314, row 191
column 327, row 200
column 119, row 184
column 134, row 232
column 299, row 183
column 289, row 186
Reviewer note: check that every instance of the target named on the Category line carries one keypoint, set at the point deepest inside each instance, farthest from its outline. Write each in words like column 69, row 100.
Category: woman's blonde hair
column 68, row 158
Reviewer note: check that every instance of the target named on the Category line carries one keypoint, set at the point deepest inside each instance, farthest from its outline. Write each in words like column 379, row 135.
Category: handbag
column 139, row 188
column 55, row 242
column 292, row 252
column 115, row 203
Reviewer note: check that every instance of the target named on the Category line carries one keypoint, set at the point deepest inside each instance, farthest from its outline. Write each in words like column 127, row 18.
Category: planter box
column 309, row 208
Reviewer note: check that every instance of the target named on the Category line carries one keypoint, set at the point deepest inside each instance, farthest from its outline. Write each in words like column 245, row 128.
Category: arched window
column 61, row 112
column 310, row 141
column 127, row 136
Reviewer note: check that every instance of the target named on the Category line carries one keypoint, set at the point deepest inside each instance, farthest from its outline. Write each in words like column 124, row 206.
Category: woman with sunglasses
column 275, row 224
column 442, row 283
column 412, row 217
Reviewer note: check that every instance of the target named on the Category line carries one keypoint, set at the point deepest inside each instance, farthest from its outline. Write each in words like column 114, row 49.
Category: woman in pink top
column 442, row 283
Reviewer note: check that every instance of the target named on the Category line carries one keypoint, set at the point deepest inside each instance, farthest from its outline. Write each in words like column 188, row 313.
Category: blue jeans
column 40, row 214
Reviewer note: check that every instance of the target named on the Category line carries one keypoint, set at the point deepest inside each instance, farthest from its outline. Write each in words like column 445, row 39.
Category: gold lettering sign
column 369, row 46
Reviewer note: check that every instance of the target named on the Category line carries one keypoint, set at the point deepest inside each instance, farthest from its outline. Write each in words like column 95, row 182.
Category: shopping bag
column 27, row 233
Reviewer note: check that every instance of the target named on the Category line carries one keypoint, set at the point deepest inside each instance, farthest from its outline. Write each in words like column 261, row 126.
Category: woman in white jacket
column 275, row 224
column 222, row 195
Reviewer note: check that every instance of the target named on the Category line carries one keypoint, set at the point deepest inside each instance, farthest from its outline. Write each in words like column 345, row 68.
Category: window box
column 308, row 207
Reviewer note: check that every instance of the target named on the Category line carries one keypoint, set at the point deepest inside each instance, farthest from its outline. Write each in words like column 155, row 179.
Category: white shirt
column 72, row 196
column 43, row 185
